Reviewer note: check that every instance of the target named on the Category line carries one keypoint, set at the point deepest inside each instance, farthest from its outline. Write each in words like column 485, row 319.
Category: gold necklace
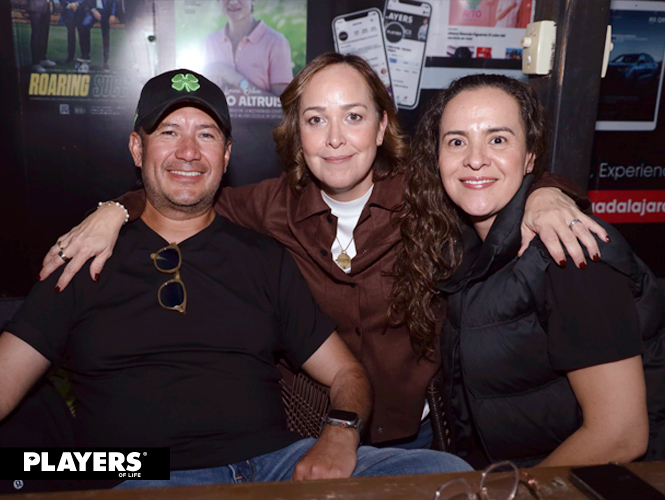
column 343, row 259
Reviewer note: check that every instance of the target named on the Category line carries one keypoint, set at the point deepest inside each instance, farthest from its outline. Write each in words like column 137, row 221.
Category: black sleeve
column 304, row 326
column 592, row 316
column 45, row 318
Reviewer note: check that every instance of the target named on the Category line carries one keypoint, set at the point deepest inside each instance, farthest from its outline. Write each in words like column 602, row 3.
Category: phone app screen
column 360, row 34
column 406, row 27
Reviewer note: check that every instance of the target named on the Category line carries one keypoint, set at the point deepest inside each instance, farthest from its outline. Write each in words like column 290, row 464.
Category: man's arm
column 21, row 366
column 334, row 453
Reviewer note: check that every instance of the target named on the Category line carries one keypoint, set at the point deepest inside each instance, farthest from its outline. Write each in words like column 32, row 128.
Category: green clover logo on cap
column 188, row 82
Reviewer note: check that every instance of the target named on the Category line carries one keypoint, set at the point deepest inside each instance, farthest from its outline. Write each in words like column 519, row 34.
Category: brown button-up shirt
column 358, row 300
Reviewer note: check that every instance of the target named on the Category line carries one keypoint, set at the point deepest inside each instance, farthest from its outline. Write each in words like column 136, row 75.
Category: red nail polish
column 97, row 277
column 57, row 289
column 595, row 257
column 608, row 239
column 562, row 263
column 582, row 265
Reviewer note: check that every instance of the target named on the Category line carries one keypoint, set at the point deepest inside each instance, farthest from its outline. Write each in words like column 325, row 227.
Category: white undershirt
column 347, row 213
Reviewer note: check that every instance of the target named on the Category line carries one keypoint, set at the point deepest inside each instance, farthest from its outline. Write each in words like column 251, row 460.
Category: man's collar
column 173, row 230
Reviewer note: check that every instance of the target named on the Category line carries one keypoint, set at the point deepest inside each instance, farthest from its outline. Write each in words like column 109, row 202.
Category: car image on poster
column 406, row 27
column 630, row 92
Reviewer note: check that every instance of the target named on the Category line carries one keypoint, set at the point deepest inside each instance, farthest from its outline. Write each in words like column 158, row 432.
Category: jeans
column 279, row 465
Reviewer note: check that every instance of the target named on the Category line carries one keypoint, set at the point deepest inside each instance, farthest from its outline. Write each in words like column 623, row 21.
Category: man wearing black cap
column 176, row 344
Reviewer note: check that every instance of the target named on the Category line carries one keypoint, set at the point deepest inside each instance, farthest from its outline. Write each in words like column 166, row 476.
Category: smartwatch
column 344, row 419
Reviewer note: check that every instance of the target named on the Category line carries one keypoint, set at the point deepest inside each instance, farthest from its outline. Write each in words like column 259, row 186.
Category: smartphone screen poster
column 406, row 27
column 361, row 33
column 630, row 92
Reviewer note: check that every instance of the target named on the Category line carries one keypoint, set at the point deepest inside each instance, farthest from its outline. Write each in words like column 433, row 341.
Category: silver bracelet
column 115, row 203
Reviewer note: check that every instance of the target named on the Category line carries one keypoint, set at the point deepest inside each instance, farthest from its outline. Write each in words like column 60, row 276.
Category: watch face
column 343, row 415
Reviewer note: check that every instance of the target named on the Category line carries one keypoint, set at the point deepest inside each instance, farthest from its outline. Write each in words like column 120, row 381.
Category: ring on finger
column 62, row 255
column 573, row 222
column 60, row 245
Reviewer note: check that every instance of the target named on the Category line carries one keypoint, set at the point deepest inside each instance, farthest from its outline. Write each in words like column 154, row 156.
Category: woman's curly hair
column 391, row 156
column 431, row 239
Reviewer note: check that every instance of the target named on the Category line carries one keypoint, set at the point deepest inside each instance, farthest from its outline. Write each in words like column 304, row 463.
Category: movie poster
column 85, row 57
column 253, row 72
column 82, row 65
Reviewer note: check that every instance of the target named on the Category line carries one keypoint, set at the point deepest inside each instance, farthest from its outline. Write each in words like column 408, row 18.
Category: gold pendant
column 343, row 260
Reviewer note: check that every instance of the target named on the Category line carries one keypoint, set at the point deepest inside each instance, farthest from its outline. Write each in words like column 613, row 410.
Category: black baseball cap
column 166, row 91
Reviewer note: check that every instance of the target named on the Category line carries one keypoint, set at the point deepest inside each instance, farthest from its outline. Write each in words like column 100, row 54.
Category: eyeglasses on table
column 499, row 481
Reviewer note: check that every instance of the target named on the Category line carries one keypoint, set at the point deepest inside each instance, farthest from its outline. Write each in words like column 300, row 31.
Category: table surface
column 554, row 485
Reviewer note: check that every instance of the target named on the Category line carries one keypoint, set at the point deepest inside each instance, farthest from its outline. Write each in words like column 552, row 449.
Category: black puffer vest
column 504, row 396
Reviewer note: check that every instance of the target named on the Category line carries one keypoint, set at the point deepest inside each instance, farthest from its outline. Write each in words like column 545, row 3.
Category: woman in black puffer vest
column 544, row 363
